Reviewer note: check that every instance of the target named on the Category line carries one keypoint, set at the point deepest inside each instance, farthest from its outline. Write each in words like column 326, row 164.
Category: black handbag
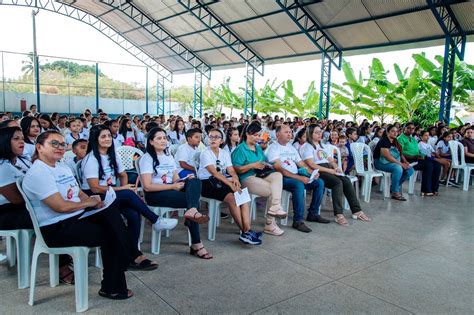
column 215, row 183
column 265, row 172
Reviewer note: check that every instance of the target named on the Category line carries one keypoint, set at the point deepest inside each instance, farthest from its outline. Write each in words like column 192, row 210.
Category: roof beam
column 162, row 36
column 104, row 28
column 224, row 33
column 308, row 25
column 449, row 24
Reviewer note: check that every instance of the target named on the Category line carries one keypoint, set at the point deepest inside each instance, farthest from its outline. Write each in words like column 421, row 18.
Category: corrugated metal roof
column 355, row 26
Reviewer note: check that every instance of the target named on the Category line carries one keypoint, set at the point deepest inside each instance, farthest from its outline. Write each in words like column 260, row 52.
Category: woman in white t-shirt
column 31, row 128
column 177, row 135
column 220, row 181
column 126, row 131
column 102, row 168
column 300, row 139
column 317, row 157
column 232, row 139
column 164, row 188
column 58, row 203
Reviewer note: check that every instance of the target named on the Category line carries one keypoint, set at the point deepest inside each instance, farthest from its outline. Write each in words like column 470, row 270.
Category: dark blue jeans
column 189, row 198
column 297, row 189
column 430, row 174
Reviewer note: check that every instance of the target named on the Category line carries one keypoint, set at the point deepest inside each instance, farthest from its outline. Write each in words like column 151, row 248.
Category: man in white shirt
column 186, row 152
column 287, row 160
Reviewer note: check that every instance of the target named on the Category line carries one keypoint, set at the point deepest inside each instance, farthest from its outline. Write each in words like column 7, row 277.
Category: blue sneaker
column 258, row 235
column 249, row 238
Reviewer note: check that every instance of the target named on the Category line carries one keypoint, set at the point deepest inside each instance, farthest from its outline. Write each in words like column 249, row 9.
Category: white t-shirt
column 163, row 173
column 209, row 158
column 130, row 134
column 319, row 155
column 226, row 148
column 173, row 135
column 43, row 181
column 141, row 137
column 118, row 140
column 425, row 148
column 84, row 134
column 29, row 150
column 444, row 147
column 9, row 173
column 185, row 153
column 287, row 155
column 297, row 146
column 69, row 139
column 432, row 140
column 90, row 169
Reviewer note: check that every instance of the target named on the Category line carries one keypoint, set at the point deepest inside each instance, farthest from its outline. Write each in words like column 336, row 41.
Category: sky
column 65, row 37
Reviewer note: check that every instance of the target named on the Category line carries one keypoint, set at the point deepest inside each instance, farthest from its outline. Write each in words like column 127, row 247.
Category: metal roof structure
column 184, row 36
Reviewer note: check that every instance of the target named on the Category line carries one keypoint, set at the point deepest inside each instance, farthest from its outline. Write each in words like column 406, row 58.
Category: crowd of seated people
column 184, row 160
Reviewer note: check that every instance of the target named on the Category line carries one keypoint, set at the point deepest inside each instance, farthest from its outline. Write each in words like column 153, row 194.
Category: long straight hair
column 25, row 125
column 309, row 135
column 93, row 146
column 150, row 149
column 251, row 129
column 176, row 127
column 6, row 136
column 123, row 128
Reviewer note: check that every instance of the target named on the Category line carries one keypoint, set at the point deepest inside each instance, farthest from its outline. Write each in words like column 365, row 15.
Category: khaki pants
column 270, row 186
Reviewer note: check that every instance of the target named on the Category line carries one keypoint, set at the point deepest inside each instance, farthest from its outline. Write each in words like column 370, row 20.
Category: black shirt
column 383, row 143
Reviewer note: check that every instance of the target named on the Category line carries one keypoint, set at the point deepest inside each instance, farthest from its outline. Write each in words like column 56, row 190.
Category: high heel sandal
column 423, row 194
column 195, row 252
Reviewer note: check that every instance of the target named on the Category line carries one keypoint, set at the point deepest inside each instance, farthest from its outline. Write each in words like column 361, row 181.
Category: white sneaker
column 164, row 224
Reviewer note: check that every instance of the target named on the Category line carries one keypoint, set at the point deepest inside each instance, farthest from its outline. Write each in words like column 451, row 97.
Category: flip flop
column 117, row 296
column 144, row 265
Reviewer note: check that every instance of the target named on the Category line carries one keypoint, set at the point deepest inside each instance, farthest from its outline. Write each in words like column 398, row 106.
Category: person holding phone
column 102, row 168
column 163, row 187
column 58, row 204
column 219, row 181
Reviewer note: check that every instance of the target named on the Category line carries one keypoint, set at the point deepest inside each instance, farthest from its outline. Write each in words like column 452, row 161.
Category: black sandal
column 117, row 296
column 399, row 197
column 144, row 265
column 195, row 252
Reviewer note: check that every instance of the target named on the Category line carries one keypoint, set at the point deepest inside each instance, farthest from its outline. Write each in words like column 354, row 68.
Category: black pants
column 14, row 217
column 105, row 229
column 189, row 198
column 430, row 174
column 340, row 186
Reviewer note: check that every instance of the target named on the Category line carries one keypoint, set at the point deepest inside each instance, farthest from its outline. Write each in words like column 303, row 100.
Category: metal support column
column 325, row 87
column 249, row 89
column 160, row 95
column 36, row 62
column 96, row 87
column 3, row 85
column 197, row 103
column 146, row 90
column 455, row 45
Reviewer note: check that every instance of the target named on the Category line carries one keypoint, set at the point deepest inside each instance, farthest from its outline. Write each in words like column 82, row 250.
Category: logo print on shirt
column 69, row 193
column 322, row 155
column 163, row 178
column 109, row 181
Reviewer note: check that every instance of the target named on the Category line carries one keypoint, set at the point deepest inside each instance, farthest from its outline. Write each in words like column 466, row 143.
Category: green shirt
column 409, row 145
column 242, row 156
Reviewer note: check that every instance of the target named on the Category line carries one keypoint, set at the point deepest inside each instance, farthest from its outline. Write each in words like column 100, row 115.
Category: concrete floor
column 415, row 257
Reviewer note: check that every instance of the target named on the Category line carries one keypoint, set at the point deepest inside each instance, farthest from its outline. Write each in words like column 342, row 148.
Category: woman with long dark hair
column 46, row 122
column 231, row 140
column 249, row 163
column 315, row 155
column 178, row 134
column 164, row 188
column 31, row 128
column 126, row 130
column 58, row 203
column 101, row 168
column 300, row 138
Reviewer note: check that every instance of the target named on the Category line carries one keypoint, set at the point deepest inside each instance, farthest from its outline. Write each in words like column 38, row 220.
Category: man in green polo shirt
column 430, row 168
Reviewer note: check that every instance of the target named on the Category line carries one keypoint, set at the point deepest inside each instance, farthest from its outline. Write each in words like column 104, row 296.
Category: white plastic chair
column 79, row 255
column 126, row 154
column 411, row 182
column 162, row 212
column 368, row 173
column 68, row 155
column 459, row 163
column 21, row 241
column 173, row 148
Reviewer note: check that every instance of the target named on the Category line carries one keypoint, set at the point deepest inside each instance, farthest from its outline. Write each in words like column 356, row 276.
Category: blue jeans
column 399, row 175
column 297, row 189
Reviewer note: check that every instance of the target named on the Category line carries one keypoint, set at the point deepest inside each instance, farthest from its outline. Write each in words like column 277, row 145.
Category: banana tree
column 228, row 98
column 267, row 100
column 296, row 106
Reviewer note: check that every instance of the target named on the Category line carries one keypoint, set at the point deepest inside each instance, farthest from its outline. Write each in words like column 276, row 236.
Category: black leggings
column 14, row 217
column 189, row 198
column 105, row 229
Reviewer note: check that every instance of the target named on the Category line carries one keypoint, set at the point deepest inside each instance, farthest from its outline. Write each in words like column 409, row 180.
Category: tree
column 300, row 107
column 28, row 65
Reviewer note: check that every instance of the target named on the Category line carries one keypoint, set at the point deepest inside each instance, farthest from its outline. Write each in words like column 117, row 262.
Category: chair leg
column 367, row 188
column 466, row 177
column 24, row 258
column 98, row 258
column 53, row 270
column 81, row 279
column 155, row 242
column 34, row 265
column 411, row 183
column 211, row 231
column 142, row 232
column 189, row 239
column 11, row 251
column 449, row 176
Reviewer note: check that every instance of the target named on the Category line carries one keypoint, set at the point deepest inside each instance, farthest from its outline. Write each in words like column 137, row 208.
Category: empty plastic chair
column 459, row 163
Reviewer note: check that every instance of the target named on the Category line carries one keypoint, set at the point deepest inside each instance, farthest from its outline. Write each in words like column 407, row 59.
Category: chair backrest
column 137, row 168
column 173, row 148
column 79, row 172
column 358, row 149
column 31, row 211
column 68, row 155
column 197, row 160
column 126, row 154
column 330, row 149
column 457, row 153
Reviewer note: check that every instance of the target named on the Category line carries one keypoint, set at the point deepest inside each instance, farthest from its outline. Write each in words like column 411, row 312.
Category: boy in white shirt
column 186, row 152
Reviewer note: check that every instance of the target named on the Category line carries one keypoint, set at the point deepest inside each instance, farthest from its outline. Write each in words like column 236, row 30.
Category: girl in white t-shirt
column 75, row 128
column 31, row 128
column 126, row 131
column 232, row 139
column 316, row 157
column 443, row 156
column 220, row 181
column 429, row 152
column 300, row 139
column 178, row 134
column 102, row 168
column 164, row 188
column 58, row 203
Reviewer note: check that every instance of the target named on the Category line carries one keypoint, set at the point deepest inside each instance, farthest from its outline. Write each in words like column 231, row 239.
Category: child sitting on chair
column 341, row 145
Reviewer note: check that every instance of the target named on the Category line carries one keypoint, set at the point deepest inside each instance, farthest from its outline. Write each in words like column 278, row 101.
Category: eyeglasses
column 58, row 145
column 18, row 138
column 215, row 137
